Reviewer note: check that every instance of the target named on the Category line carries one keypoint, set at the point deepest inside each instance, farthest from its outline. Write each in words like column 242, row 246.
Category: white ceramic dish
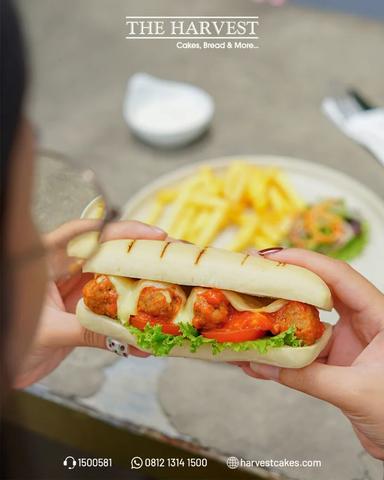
column 313, row 182
column 166, row 113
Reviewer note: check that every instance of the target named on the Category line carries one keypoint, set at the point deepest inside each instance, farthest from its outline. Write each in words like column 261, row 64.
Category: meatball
column 211, row 310
column 163, row 303
column 100, row 296
column 304, row 317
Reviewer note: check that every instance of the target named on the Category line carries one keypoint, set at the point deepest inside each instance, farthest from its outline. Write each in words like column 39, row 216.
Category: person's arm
column 350, row 372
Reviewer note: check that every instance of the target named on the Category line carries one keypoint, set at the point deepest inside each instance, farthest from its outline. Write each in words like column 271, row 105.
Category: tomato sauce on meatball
column 100, row 296
column 163, row 303
column 304, row 317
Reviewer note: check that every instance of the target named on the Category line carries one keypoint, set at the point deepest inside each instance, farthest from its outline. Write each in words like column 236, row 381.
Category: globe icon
column 233, row 462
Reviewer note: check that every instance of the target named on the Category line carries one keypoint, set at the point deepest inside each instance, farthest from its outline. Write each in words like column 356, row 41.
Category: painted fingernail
column 113, row 345
column 268, row 251
column 266, row 371
column 178, row 240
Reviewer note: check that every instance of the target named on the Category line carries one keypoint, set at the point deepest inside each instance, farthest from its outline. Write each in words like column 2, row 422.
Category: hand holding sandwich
column 350, row 371
column 183, row 300
column 59, row 331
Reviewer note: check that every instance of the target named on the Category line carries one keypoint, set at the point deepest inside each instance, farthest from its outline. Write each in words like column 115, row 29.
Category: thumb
column 91, row 339
column 68, row 332
column 333, row 384
column 59, row 328
column 87, row 338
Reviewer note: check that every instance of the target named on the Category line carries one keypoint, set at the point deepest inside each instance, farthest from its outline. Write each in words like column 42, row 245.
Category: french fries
column 259, row 203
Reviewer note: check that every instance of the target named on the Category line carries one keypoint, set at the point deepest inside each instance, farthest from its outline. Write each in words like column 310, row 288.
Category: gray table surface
column 267, row 101
column 369, row 8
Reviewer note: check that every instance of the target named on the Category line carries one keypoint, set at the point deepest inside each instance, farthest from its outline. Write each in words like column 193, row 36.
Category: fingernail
column 267, row 371
column 177, row 240
column 158, row 230
column 113, row 345
column 267, row 251
column 237, row 364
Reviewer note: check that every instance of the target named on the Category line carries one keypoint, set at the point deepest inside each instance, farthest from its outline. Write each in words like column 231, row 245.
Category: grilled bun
column 187, row 264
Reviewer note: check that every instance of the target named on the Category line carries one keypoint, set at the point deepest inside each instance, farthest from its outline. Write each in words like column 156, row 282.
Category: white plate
column 312, row 181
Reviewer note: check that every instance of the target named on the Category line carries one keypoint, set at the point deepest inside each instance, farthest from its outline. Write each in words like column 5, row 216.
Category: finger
column 132, row 229
column 115, row 346
column 350, row 287
column 333, row 384
column 138, row 353
column 239, row 364
column 87, row 338
column 61, row 235
column 68, row 332
column 92, row 339
column 77, row 281
column 373, row 353
column 250, row 372
column 114, row 230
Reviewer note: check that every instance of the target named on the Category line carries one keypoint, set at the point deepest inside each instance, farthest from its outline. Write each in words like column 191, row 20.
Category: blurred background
column 266, row 102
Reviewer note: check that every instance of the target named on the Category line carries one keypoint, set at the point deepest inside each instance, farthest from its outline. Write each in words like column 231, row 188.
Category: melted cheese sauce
column 241, row 303
column 128, row 293
column 129, row 290
column 125, row 288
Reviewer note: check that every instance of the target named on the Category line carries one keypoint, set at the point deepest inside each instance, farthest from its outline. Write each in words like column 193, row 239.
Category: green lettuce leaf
column 346, row 252
column 354, row 247
column 153, row 339
column 160, row 344
column 190, row 333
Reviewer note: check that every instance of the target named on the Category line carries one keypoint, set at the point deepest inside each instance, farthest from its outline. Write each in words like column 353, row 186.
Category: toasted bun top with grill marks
column 187, row 264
